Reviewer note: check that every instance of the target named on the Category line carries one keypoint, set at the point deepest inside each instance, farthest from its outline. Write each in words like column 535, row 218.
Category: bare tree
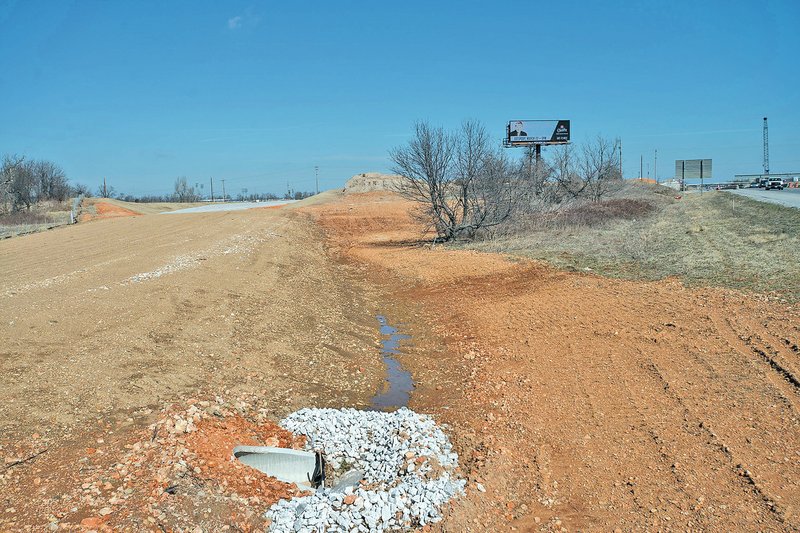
column 427, row 167
column 79, row 189
column 50, row 181
column 460, row 183
column 106, row 191
column 592, row 175
column 18, row 182
column 8, row 171
column 23, row 183
column 184, row 192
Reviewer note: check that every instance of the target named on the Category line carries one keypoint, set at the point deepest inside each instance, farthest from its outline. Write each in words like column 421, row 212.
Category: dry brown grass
column 42, row 216
column 702, row 239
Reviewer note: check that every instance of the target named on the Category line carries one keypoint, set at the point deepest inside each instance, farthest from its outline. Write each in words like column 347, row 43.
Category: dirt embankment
column 575, row 401
column 580, row 402
column 106, row 324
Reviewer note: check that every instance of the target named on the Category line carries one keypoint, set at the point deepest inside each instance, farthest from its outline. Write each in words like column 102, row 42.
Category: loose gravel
column 407, row 462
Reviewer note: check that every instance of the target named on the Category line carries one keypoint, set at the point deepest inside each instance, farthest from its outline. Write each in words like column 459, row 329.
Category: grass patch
column 713, row 239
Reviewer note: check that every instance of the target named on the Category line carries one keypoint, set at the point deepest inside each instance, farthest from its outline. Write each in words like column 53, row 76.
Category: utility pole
column 223, row 190
column 655, row 166
column 316, row 176
column 641, row 166
column 105, row 191
column 212, row 189
column 620, row 159
column 766, row 148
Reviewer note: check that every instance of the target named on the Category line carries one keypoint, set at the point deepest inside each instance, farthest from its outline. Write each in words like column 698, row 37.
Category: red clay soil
column 109, row 210
column 165, row 478
column 584, row 403
column 213, row 443
column 102, row 210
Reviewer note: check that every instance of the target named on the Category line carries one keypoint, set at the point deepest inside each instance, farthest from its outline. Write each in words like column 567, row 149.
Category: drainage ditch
column 397, row 388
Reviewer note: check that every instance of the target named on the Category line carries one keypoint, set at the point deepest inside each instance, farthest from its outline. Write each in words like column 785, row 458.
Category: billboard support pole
column 683, row 176
column 701, row 177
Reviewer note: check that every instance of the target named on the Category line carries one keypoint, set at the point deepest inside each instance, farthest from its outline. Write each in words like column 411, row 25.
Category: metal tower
column 766, row 148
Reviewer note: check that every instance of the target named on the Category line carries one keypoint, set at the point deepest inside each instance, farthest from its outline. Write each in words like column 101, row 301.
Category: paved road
column 228, row 206
column 787, row 197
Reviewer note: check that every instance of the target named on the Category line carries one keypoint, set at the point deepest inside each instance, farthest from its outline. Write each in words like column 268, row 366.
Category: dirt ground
column 105, row 324
column 584, row 403
column 576, row 402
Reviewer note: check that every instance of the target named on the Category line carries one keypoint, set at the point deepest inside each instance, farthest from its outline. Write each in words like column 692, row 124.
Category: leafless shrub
column 460, row 183
column 592, row 174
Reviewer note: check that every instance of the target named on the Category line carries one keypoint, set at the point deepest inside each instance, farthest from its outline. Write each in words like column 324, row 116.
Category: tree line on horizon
column 25, row 183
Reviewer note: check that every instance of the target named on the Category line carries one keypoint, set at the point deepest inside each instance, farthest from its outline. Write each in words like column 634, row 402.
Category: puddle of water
column 398, row 380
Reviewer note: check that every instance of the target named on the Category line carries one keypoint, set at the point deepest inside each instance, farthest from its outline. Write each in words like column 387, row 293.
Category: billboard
column 526, row 132
column 693, row 169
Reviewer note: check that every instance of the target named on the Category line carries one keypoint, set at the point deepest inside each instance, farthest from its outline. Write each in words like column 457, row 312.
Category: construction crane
column 766, row 148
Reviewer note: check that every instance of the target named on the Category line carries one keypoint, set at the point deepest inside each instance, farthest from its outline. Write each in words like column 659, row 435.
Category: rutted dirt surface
column 586, row 403
column 136, row 348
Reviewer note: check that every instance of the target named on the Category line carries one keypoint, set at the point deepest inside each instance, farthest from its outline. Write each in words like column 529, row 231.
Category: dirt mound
column 372, row 181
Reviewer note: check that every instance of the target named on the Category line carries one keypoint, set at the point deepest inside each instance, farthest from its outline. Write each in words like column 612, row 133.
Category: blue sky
column 259, row 93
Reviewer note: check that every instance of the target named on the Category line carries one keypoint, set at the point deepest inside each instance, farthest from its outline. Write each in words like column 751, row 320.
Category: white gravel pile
column 407, row 462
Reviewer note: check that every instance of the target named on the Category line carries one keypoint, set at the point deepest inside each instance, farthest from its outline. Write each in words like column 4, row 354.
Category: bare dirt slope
column 575, row 401
column 581, row 402
column 106, row 321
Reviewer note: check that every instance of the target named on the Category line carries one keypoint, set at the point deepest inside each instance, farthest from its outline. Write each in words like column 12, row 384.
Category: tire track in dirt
column 714, row 441
column 750, row 342
column 616, row 404
column 741, row 341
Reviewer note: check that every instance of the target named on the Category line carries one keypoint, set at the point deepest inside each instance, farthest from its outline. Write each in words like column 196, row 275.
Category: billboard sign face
column 525, row 132
column 693, row 169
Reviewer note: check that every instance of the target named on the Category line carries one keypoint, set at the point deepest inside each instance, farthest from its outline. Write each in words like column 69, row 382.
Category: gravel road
column 228, row 206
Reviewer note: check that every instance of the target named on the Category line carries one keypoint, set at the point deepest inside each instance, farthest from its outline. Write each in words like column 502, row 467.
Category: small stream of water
column 399, row 384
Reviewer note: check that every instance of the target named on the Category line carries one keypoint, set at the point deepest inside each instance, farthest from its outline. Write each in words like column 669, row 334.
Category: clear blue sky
column 259, row 93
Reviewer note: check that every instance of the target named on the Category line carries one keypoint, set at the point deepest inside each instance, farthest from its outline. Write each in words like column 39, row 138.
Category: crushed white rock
column 407, row 461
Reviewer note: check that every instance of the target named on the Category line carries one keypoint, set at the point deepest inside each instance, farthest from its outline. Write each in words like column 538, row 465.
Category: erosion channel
column 397, row 388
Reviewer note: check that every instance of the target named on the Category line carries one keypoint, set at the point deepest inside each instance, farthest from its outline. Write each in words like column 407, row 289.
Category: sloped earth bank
column 136, row 351
column 583, row 403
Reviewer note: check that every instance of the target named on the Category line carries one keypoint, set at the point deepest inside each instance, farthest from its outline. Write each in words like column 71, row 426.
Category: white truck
column 774, row 183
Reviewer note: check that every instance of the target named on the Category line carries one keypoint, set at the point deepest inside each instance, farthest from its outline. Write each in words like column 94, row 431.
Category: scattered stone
column 393, row 496
column 92, row 522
